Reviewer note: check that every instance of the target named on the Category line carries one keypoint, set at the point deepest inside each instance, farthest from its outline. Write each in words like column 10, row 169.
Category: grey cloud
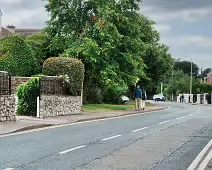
column 13, row 5
column 23, row 13
column 174, row 5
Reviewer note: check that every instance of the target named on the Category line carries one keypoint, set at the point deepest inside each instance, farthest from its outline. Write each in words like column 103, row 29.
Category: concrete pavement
column 169, row 139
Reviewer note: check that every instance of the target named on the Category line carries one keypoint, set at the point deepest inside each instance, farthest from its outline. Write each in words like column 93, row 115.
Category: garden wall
column 7, row 108
column 7, row 101
column 54, row 102
column 52, row 105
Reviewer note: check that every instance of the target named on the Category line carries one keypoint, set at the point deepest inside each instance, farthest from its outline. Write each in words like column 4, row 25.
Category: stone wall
column 4, row 83
column 51, row 106
column 51, row 85
column 7, row 108
column 16, row 81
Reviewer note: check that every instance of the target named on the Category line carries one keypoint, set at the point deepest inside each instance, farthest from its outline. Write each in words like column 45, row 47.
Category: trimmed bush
column 95, row 95
column 68, row 67
column 27, row 97
column 113, row 93
column 16, row 57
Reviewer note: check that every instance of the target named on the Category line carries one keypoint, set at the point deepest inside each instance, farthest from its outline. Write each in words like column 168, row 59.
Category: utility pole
column 173, row 83
column 161, row 87
column 191, row 77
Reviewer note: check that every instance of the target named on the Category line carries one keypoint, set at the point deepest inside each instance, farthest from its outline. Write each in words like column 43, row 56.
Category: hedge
column 16, row 57
column 27, row 97
column 68, row 67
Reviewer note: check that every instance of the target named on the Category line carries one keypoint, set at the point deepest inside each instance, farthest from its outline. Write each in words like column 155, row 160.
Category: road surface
column 169, row 139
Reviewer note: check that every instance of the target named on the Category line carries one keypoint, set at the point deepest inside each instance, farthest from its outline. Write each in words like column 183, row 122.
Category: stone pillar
column 178, row 99
column 198, row 98
column 186, row 98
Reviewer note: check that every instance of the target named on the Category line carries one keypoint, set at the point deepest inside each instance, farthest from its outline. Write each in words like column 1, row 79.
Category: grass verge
column 99, row 108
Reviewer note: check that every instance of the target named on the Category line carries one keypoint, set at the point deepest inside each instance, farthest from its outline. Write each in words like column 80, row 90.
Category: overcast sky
column 185, row 25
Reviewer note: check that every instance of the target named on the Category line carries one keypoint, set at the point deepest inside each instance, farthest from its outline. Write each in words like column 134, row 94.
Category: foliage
column 181, row 84
column 159, row 65
column 27, row 97
column 113, row 93
column 16, row 57
column 39, row 46
column 111, row 38
column 205, row 73
column 185, row 66
column 95, row 95
column 71, row 67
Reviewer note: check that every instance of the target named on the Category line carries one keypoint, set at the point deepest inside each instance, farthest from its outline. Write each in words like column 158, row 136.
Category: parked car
column 159, row 97
column 125, row 100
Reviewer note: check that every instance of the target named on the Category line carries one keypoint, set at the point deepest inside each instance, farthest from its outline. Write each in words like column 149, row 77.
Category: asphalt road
column 163, row 140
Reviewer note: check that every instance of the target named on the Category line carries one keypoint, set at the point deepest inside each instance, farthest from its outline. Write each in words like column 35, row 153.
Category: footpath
column 24, row 123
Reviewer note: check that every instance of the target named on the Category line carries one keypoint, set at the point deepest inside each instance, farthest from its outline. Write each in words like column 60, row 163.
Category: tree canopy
column 185, row 66
column 117, row 45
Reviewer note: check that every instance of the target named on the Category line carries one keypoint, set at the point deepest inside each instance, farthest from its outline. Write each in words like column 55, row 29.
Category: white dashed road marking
column 8, row 169
column 180, row 117
column 70, row 150
column 113, row 137
column 139, row 129
column 164, row 122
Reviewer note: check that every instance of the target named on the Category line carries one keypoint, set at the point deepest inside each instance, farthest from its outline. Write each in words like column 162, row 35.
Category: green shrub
column 39, row 46
column 71, row 67
column 113, row 93
column 95, row 95
column 17, row 58
column 27, row 97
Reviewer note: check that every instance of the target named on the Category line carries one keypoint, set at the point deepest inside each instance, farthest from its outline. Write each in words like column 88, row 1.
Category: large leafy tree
column 185, row 66
column 111, row 39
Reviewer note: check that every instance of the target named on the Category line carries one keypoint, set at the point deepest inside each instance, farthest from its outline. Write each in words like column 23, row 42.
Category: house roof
column 5, row 33
column 27, row 32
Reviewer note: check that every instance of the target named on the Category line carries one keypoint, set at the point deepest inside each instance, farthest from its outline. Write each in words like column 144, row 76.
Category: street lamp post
column 173, row 83
column 191, row 77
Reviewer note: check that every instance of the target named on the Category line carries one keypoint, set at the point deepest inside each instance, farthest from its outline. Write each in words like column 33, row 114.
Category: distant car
column 125, row 99
column 159, row 97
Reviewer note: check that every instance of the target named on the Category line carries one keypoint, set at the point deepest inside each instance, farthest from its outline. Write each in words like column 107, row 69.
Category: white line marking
column 206, row 160
column 197, row 111
column 111, row 137
column 200, row 156
column 8, row 169
column 139, row 129
column 83, row 122
column 190, row 114
column 164, row 122
column 69, row 150
column 180, row 117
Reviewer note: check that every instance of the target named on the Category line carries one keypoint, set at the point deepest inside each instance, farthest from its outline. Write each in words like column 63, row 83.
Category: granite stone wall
column 7, row 108
column 54, row 105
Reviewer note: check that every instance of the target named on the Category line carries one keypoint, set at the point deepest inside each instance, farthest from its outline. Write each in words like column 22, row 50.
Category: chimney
column 11, row 28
